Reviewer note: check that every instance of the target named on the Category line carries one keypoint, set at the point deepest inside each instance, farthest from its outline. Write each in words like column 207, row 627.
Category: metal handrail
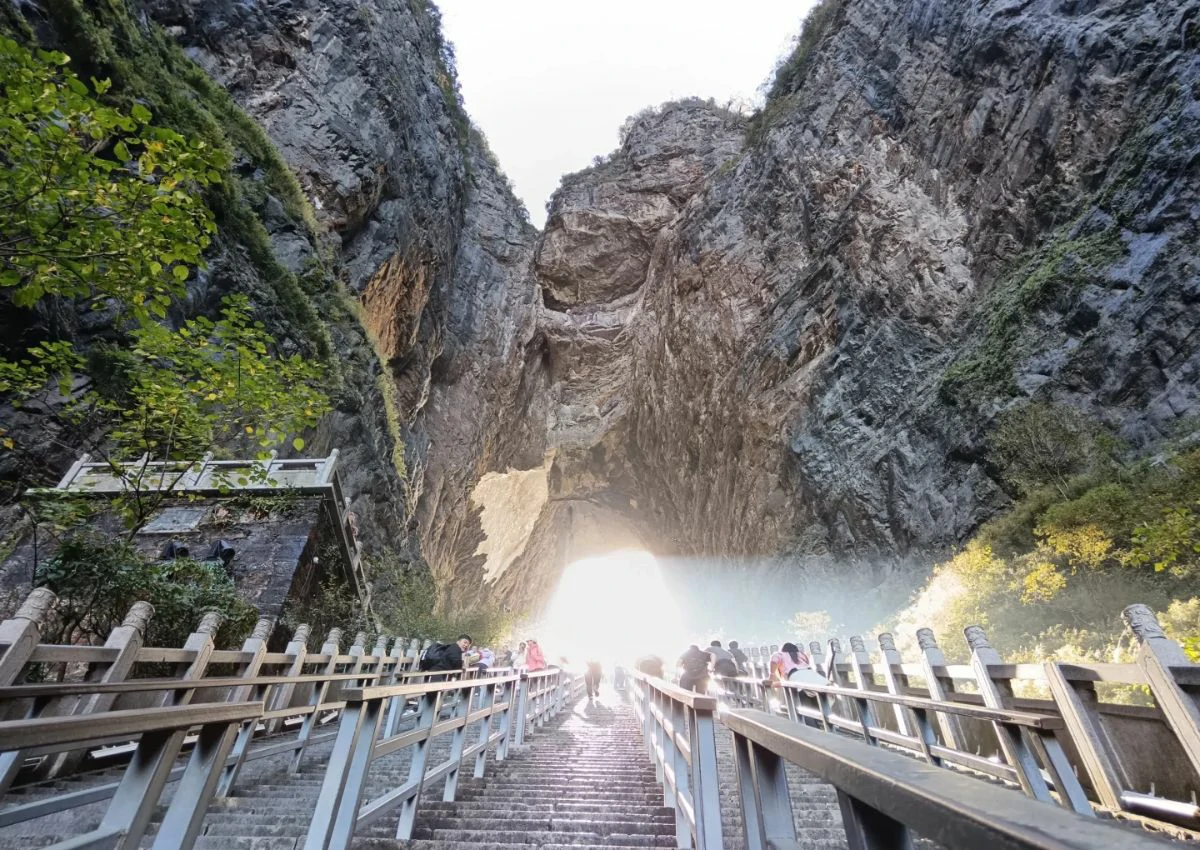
column 885, row 797
column 160, row 738
column 1028, row 740
column 680, row 736
column 364, row 735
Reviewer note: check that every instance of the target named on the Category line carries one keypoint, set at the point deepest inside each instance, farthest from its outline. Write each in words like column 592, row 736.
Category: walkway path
column 582, row 782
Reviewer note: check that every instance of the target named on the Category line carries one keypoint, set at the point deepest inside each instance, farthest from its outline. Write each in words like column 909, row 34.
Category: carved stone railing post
column 941, row 688
column 320, row 693
column 817, row 654
column 126, row 639
column 895, row 682
column 20, row 635
column 254, row 649
column 1157, row 655
column 1019, row 745
column 859, row 661
column 201, row 644
column 297, row 651
column 397, row 660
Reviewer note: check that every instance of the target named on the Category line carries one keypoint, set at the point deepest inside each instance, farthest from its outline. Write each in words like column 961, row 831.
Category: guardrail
column 679, row 732
column 885, row 798
column 160, row 735
column 340, row 810
column 296, row 692
column 1139, row 760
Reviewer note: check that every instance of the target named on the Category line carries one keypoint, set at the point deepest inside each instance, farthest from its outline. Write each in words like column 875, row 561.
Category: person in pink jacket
column 534, row 659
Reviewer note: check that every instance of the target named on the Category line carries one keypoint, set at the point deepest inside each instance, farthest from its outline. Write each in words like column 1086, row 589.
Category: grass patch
column 790, row 74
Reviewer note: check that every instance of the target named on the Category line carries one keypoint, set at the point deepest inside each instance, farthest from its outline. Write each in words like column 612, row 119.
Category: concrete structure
column 277, row 526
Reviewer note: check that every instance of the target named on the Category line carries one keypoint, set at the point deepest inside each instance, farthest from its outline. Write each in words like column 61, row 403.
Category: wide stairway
column 584, row 783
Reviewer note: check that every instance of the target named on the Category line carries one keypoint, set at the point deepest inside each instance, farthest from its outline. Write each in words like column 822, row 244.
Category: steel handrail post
column 706, row 794
column 430, row 708
column 658, row 747
column 184, row 817
column 146, row 775
column 520, row 696
column 749, row 798
column 679, row 762
column 458, row 738
column 485, row 728
column 327, row 810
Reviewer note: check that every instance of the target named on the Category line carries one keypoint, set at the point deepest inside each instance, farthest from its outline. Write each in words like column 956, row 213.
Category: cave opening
column 611, row 608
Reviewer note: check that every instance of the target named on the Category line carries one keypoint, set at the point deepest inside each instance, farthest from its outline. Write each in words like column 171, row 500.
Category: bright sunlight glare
column 612, row 609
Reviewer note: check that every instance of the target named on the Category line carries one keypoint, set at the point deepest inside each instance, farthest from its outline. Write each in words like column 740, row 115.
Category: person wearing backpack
column 445, row 656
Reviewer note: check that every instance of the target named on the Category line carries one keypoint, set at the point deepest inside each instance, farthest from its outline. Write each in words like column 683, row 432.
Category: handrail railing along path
column 678, row 727
column 221, row 718
column 885, row 798
column 1043, row 727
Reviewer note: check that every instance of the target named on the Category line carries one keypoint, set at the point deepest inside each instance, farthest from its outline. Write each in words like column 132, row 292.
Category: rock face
column 782, row 339
column 433, row 245
column 796, row 347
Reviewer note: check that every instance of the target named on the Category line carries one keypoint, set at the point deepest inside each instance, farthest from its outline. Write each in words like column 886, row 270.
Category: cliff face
column 797, row 346
column 431, row 243
column 784, row 338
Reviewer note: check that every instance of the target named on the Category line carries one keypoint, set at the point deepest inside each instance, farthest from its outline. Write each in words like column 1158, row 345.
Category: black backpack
column 435, row 655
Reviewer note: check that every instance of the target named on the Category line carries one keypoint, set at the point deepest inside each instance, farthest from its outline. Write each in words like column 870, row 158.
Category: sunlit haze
column 611, row 609
column 550, row 82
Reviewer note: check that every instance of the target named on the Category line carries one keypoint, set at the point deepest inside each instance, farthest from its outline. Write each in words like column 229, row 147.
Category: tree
column 103, row 208
column 97, row 581
column 95, row 203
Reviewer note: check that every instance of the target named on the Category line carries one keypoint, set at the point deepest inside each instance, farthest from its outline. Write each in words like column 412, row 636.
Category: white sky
column 551, row 81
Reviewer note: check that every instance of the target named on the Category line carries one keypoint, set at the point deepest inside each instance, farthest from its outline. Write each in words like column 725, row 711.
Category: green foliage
column 406, row 602
column 1043, row 445
column 97, row 581
column 331, row 604
column 147, row 67
column 1056, row 269
column 95, row 203
column 792, row 71
column 811, row 625
column 1169, row 543
column 1049, row 579
column 173, row 395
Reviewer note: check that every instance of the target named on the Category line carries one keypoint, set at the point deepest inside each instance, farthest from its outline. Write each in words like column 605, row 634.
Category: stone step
column 543, row 837
column 558, row 823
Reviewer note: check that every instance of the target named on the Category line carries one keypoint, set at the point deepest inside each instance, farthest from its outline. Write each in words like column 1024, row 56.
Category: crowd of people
column 695, row 668
column 464, row 655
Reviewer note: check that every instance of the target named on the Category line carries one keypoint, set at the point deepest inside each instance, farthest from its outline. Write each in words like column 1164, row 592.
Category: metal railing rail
column 160, row 735
column 885, row 798
column 363, row 737
column 1138, row 760
column 1026, row 738
column 680, row 737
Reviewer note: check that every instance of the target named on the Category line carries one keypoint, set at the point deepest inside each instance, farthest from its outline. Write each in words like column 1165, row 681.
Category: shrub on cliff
column 97, row 581
column 1050, row 578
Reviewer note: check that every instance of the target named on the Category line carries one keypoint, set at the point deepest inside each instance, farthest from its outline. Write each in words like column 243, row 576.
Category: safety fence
column 222, row 709
column 1067, row 744
column 886, row 799
column 678, row 728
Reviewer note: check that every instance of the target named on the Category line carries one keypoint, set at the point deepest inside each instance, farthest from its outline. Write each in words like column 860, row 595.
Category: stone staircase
column 583, row 781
